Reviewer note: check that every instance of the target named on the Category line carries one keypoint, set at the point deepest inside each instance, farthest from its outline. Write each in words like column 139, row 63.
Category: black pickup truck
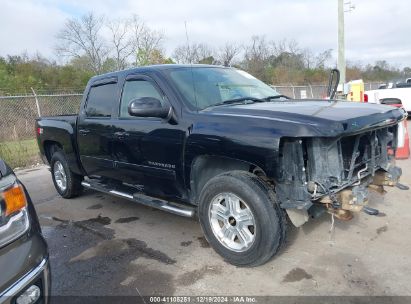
column 218, row 143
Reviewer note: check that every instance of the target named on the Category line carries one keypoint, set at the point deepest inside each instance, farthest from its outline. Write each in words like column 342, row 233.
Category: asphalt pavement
column 103, row 245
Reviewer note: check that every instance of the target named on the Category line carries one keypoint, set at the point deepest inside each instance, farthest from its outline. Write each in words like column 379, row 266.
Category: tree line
column 94, row 44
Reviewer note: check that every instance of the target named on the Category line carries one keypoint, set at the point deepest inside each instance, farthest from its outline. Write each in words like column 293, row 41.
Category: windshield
column 207, row 86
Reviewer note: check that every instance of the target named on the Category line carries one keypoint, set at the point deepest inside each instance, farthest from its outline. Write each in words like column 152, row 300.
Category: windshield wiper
column 254, row 99
column 276, row 97
column 236, row 100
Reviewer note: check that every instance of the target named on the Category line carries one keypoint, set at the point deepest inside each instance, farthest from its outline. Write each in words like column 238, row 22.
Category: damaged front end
column 334, row 175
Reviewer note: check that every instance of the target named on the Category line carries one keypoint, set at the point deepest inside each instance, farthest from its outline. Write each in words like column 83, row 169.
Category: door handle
column 83, row 131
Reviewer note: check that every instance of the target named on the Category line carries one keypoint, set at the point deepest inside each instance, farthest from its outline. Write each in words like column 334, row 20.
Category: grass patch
column 20, row 153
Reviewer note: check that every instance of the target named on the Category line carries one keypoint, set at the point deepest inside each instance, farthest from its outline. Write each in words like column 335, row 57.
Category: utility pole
column 341, row 41
column 341, row 38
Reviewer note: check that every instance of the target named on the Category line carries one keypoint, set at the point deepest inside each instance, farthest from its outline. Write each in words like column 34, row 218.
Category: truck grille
column 365, row 150
column 335, row 162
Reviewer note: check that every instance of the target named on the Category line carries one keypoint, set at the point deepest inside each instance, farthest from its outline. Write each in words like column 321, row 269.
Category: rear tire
column 249, row 232
column 67, row 183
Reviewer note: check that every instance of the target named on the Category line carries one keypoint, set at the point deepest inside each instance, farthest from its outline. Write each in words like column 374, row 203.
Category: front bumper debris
column 355, row 198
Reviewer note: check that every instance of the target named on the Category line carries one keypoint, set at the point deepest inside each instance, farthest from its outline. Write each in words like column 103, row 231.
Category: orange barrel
column 403, row 139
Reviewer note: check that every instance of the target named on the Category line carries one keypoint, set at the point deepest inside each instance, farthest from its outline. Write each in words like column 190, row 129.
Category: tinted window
column 390, row 101
column 204, row 87
column 100, row 100
column 136, row 89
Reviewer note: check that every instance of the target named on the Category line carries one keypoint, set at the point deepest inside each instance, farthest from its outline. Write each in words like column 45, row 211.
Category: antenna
column 191, row 65
column 188, row 41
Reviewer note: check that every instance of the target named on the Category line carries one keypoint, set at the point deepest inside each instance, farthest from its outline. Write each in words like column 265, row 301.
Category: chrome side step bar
column 181, row 210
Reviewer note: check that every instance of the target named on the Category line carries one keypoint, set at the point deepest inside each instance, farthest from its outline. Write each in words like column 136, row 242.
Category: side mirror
column 148, row 107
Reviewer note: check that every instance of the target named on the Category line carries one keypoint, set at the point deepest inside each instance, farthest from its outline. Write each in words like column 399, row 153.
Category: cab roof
column 156, row 67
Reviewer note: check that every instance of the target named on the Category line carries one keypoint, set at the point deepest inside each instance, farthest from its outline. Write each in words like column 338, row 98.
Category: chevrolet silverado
column 217, row 143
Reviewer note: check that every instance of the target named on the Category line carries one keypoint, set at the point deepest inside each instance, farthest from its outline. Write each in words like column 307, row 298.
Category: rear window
column 100, row 100
column 390, row 101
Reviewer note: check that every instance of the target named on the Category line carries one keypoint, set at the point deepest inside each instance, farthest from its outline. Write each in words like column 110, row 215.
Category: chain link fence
column 18, row 146
column 18, row 113
column 312, row 91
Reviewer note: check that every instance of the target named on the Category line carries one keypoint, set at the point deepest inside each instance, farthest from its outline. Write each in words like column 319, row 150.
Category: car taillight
column 365, row 97
column 39, row 131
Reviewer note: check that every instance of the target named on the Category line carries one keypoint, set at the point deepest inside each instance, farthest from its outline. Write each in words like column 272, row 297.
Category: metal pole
column 341, row 41
column 37, row 102
column 311, row 89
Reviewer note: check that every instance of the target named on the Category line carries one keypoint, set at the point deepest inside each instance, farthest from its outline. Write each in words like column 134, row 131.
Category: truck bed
column 58, row 130
column 67, row 118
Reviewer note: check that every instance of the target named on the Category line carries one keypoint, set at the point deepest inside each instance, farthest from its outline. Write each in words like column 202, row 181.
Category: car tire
column 67, row 183
column 249, row 232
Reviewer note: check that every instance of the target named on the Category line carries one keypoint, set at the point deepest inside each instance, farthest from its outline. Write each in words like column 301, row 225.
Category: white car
column 403, row 94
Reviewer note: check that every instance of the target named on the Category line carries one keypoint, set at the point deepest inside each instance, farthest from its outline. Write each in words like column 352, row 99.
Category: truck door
column 95, row 130
column 148, row 151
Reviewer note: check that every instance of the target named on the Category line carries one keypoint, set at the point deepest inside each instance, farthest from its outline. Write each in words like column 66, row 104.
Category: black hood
column 331, row 117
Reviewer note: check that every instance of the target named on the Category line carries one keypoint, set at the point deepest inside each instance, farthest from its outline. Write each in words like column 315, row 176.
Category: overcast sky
column 375, row 30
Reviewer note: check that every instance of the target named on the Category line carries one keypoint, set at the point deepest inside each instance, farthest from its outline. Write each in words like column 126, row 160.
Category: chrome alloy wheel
column 232, row 222
column 60, row 176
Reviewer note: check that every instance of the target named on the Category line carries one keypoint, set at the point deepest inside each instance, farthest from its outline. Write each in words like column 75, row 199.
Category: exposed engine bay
column 335, row 175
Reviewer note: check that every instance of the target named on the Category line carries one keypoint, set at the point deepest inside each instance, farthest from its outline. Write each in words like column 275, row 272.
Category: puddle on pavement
column 103, row 220
column 186, row 244
column 100, row 197
column 150, row 282
column 297, row 274
column 96, row 226
column 124, row 247
column 96, row 206
column 123, row 220
column 88, row 247
column 382, row 229
column 189, row 278
column 54, row 218
column 203, row 242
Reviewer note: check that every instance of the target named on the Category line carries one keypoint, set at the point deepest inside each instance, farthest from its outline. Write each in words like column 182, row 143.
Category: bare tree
column 82, row 37
column 147, row 43
column 148, row 47
column 256, row 57
column 194, row 53
column 204, row 54
column 286, row 46
column 309, row 58
column 227, row 53
column 121, row 41
column 288, row 54
column 312, row 60
column 138, row 27
column 182, row 54
column 322, row 58
column 258, row 51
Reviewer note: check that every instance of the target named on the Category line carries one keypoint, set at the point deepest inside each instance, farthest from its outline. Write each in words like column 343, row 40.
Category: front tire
column 241, row 219
column 67, row 183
